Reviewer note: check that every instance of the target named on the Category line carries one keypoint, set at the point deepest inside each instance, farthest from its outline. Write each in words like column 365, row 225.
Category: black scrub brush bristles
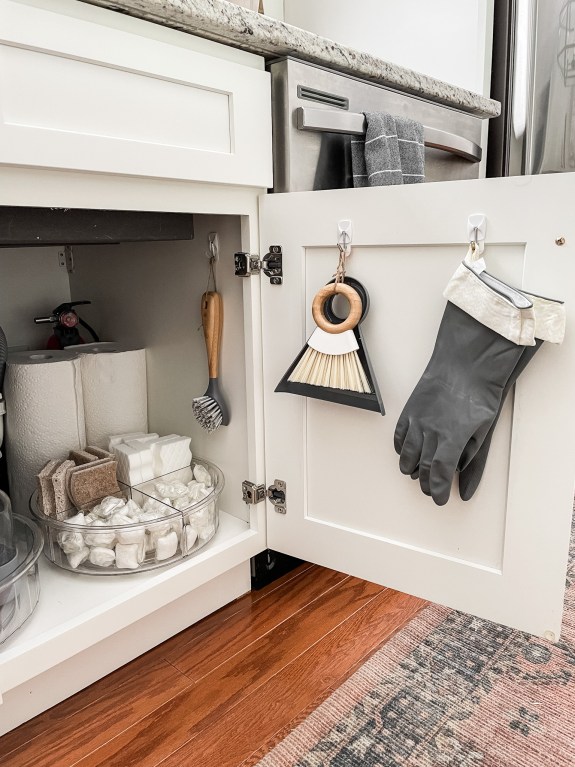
column 210, row 411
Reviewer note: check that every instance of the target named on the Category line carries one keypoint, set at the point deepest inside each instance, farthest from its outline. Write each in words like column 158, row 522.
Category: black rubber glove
column 456, row 401
column 471, row 468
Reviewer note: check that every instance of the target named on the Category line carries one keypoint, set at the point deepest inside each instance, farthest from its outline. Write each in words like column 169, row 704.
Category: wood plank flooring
column 224, row 691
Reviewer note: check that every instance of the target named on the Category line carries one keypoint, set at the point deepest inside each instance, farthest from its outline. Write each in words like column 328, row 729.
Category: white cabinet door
column 501, row 555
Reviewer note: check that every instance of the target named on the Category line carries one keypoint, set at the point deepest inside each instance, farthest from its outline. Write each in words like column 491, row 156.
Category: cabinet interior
column 148, row 293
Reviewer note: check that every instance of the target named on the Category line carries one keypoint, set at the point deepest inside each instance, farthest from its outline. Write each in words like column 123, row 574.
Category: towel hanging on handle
column 391, row 153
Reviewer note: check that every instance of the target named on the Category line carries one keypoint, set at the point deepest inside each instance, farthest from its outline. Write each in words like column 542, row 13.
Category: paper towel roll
column 44, row 416
column 97, row 347
column 115, row 393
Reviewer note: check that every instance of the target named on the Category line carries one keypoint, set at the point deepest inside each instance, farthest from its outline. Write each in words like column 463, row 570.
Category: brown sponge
column 59, row 481
column 46, row 500
column 89, row 483
column 81, row 457
column 98, row 452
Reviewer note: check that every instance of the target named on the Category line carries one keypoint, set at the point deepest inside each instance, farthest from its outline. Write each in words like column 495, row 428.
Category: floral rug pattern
column 449, row 690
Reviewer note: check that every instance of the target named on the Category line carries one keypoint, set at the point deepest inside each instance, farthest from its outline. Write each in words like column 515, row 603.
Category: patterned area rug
column 448, row 690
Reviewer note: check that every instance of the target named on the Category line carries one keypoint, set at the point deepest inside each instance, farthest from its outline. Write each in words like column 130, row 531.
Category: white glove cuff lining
column 469, row 293
column 545, row 319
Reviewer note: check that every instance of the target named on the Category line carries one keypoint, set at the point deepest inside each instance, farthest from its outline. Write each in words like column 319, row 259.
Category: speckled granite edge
column 236, row 26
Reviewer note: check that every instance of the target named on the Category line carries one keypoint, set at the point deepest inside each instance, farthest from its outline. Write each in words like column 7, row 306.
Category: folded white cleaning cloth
column 391, row 153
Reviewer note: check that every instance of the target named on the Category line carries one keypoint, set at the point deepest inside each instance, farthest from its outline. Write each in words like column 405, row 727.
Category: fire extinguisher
column 66, row 322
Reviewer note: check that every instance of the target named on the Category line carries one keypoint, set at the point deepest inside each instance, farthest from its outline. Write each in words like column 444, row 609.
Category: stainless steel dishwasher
column 316, row 111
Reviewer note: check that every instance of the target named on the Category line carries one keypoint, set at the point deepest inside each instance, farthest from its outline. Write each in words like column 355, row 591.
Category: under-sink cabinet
column 500, row 556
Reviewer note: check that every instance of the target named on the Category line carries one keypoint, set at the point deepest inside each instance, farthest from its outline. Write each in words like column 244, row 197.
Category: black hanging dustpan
column 371, row 401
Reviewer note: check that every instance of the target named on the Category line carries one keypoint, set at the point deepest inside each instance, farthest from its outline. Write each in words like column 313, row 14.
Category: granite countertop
column 236, row 26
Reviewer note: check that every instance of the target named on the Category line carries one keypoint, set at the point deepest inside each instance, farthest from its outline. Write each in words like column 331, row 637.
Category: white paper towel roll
column 44, row 416
column 97, row 347
column 115, row 393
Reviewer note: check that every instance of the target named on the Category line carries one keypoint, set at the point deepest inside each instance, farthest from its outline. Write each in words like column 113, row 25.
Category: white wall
column 274, row 8
column 22, row 298
column 447, row 39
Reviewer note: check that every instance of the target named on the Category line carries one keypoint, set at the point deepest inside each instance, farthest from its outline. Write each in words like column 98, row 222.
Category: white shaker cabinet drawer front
column 95, row 98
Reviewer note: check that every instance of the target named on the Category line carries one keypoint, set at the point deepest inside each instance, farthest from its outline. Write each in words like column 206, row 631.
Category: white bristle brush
column 210, row 411
column 331, row 360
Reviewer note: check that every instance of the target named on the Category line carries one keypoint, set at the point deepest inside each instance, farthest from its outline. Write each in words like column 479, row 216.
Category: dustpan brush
column 329, row 368
column 210, row 411
column 330, row 359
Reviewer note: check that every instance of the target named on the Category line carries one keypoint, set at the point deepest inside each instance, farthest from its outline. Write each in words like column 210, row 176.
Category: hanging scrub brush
column 210, row 410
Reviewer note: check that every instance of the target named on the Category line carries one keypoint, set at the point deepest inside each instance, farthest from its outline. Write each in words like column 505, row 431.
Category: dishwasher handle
column 353, row 123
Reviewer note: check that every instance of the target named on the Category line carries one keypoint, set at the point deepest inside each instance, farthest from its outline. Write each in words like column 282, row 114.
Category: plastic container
column 7, row 544
column 20, row 590
column 139, row 546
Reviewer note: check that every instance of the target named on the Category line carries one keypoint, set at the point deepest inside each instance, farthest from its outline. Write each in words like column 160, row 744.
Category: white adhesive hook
column 345, row 234
column 476, row 230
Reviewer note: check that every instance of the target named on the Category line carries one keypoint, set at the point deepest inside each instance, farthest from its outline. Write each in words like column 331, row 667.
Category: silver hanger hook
column 343, row 243
column 476, row 228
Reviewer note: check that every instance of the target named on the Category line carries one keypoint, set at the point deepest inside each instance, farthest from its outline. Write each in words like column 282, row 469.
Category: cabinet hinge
column 277, row 495
column 245, row 265
column 253, row 493
column 69, row 256
column 273, row 264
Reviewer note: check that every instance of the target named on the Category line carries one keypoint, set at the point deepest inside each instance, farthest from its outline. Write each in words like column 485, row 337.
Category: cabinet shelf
column 76, row 612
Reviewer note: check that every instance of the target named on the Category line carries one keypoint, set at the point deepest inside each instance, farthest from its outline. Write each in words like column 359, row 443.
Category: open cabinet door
column 501, row 555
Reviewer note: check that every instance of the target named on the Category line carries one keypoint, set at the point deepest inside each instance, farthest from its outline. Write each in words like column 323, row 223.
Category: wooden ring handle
column 355, row 307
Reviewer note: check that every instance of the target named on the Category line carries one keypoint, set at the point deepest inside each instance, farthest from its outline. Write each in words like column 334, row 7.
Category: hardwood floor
column 222, row 692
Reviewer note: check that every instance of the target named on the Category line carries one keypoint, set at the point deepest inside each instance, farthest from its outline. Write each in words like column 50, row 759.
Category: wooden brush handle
column 212, row 323
column 355, row 307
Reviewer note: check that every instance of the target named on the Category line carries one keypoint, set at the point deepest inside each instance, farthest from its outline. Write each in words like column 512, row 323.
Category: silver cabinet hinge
column 69, row 257
column 273, row 264
column 246, row 265
column 253, row 493
column 277, row 495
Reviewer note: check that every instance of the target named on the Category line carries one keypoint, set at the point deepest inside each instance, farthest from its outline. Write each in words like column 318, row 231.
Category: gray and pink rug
column 448, row 690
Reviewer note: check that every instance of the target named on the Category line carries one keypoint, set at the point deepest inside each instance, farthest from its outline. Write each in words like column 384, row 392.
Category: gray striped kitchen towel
column 411, row 150
column 391, row 153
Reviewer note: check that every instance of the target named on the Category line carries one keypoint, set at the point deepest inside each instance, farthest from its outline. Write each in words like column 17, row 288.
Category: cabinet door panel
column 502, row 554
column 87, row 89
